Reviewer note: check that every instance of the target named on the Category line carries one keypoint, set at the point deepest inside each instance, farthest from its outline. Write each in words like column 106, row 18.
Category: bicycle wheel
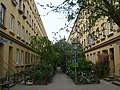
column 81, row 80
column 94, row 80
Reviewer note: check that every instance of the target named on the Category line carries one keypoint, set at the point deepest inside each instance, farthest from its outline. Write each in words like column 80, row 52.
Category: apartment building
column 102, row 38
column 19, row 20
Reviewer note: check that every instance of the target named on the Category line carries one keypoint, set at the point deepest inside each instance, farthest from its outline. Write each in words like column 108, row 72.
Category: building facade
column 101, row 39
column 19, row 20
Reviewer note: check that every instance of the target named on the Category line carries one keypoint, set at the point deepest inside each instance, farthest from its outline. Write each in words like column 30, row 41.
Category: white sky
column 53, row 21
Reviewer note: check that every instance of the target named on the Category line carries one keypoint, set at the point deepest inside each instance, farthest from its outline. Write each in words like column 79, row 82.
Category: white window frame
column 103, row 30
column 23, row 9
column 17, row 56
column 2, row 14
column 23, row 32
column 109, row 23
column 21, row 57
column 12, row 23
column 19, row 4
column 27, row 36
column 18, row 28
column 97, row 33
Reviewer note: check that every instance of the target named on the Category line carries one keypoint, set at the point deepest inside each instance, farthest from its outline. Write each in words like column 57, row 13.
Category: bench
column 7, row 84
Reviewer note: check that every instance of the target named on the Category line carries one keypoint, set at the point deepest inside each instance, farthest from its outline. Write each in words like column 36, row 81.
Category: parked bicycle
column 87, row 78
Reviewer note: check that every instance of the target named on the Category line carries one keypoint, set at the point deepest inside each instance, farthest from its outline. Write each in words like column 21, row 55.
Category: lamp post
column 75, row 43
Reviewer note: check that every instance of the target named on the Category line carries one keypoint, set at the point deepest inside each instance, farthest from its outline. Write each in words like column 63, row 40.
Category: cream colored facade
column 104, row 36
column 19, row 19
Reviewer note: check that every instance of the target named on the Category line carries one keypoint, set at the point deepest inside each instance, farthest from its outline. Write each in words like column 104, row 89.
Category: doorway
column 112, row 64
column 10, row 59
column 1, row 58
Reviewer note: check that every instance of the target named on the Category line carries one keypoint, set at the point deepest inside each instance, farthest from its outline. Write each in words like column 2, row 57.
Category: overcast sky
column 53, row 21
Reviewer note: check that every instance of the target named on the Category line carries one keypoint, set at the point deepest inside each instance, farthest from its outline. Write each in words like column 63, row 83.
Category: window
column 26, row 36
column 21, row 57
column 97, row 33
column 18, row 28
column 30, row 19
column 2, row 14
column 19, row 4
column 11, row 23
column 23, row 32
column 23, row 9
column 109, row 27
column 34, row 25
column 94, row 58
column 28, row 58
column 103, row 30
column 88, row 39
column 29, row 37
column 17, row 56
column 32, row 22
column 30, row 1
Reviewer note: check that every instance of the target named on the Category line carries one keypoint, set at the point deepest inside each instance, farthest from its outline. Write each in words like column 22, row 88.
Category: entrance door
column 10, row 60
column 1, row 58
column 112, row 65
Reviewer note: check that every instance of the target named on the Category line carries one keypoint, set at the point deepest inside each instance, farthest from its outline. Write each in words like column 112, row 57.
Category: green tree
column 62, row 48
column 44, row 47
column 95, row 8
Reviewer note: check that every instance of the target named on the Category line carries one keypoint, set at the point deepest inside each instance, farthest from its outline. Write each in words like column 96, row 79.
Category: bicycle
column 87, row 78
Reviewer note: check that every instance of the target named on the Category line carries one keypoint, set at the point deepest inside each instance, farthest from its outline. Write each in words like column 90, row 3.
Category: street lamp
column 75, row 44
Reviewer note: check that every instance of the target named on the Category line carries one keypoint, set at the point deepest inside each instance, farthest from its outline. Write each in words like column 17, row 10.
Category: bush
column 83, row 64
column 43, row 74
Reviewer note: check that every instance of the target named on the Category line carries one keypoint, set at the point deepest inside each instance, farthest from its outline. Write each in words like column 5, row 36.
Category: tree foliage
column 44, row 48
column 95, row 9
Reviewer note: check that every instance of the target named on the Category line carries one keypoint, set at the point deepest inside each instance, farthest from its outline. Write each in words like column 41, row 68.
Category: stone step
column 118, row 79
column 108, row 79
column 112, row 77
column 116, row 83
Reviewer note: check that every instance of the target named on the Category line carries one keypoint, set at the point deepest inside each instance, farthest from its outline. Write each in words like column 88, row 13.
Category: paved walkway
column 63, row 82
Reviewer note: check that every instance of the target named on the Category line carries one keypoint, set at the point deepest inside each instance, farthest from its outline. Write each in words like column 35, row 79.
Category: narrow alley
column 63, row 82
